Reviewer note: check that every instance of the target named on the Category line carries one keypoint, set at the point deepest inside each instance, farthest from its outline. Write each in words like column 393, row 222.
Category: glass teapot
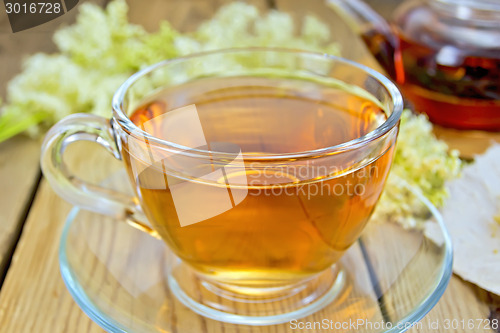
column 444, row 54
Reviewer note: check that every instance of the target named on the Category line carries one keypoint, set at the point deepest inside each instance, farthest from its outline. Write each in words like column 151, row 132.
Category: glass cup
column 257, row 167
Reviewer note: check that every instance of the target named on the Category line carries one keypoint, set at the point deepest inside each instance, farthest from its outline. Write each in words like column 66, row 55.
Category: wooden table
column 33, row 297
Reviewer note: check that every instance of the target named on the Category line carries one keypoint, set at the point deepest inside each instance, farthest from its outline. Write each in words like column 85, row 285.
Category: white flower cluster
column 420, row 161
column 99, row 51
column 240, row 25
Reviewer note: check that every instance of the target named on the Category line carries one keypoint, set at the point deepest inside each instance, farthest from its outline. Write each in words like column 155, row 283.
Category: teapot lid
column 479, row 11
column 474, row 4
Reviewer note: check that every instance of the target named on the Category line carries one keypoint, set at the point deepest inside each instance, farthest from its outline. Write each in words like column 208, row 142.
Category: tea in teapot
column 444, row 55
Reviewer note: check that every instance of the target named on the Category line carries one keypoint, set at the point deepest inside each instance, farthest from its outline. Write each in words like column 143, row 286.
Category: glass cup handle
column 86, row 127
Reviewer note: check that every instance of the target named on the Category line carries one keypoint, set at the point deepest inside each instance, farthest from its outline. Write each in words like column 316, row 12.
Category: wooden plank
column 19, row 157
column 405, row 276
column 19, row 175
column 469, row 143
column 459, row 302
column 19, row 171
column 27, row 287
column 33, row 297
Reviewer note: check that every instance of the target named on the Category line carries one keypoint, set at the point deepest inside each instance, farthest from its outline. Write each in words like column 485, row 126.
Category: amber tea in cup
column 289, row 225
column 259, row 168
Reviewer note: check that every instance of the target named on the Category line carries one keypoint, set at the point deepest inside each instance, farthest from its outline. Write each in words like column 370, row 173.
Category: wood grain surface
column 33, row 297
column 19, row 177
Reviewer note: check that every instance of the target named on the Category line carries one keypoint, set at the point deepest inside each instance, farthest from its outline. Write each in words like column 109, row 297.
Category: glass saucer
column 391, row 278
